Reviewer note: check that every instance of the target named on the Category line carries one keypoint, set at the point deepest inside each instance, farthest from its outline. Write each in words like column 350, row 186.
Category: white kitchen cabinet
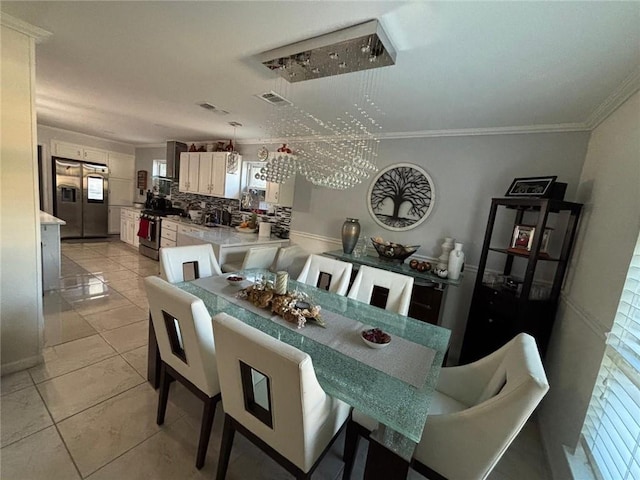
column 281, row 193
column 78, row 152
column 120, row 191
column 129, row 226
column 168, row 233
column 136, row 227
column 94, row 155
column 115, row 216
column 121, row 165
column 189, row 172
column 217, row 177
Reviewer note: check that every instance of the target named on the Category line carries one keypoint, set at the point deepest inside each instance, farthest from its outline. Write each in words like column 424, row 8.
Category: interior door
column 68, row 197
column 95, row 199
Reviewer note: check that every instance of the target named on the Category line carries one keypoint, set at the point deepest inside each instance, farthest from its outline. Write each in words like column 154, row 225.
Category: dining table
column 394, row 384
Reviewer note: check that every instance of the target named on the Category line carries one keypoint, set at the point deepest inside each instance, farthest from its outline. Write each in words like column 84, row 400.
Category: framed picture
column 522, row 237
column 531, row 187
column 401, row 197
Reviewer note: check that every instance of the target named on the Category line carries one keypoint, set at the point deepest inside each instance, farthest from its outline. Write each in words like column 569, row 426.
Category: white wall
column 47, row 134
column 610, row 190
column 21, row 273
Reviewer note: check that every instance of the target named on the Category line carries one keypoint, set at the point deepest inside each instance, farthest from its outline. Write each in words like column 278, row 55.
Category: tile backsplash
column 281, row 219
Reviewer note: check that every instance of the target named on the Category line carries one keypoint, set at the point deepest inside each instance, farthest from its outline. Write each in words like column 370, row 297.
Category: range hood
column 174, row 149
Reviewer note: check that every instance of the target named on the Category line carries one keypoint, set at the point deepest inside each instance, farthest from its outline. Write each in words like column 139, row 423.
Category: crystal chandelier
column 339, row 152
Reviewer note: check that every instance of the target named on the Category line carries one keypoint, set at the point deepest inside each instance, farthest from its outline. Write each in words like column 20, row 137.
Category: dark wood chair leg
column 351, row 440
column 163, row 397
column 153, row 357
column 228, row 433
column 208, row 414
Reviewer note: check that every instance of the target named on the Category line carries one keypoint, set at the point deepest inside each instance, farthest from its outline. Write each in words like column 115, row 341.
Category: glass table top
column 404, row 268
column 398, row 405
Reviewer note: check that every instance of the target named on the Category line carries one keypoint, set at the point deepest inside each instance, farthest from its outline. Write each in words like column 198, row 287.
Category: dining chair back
column 184, row 336
column 257, row 257
column 198, row 258
column 477, row 411
column 288, row 415
column 373, row 282
column 291, row 259
column 319, row 271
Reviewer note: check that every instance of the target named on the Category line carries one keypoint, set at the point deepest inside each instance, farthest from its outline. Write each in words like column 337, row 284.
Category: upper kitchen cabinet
column 189, row 172
column 219, row 174
column 78, row 152
column 120, row 165
column 281, row 193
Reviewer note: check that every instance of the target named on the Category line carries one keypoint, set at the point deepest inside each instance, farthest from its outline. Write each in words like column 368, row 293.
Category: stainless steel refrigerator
column 81, row 198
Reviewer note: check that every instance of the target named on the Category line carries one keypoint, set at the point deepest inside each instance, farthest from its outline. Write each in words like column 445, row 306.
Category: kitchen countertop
column 48, row 219
column 229, row 237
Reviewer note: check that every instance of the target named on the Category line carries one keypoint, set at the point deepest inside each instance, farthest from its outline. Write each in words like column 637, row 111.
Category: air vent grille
column 212, row 108
column 274, row 99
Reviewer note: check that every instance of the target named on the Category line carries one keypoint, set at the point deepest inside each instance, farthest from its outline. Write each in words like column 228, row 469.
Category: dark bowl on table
column 394, row 251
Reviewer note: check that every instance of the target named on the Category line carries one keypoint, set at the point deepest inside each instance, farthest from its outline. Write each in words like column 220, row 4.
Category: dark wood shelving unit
column 498, row 312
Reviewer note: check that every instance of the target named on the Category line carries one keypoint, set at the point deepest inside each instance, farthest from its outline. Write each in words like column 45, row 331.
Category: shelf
column 535, row 204
column 524, row 254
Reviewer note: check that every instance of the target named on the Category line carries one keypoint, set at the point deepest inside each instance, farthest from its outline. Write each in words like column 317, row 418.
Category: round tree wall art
column 401, row 196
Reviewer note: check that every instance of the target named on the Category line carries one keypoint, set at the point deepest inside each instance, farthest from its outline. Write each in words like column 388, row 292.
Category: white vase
column 443, row 260
column 456, row 262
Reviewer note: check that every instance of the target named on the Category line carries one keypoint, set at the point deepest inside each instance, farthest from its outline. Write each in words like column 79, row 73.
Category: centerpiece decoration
column 393, row 252
column 295, row 307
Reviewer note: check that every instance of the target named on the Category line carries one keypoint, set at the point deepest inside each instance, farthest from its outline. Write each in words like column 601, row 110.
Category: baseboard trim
column 20, row 365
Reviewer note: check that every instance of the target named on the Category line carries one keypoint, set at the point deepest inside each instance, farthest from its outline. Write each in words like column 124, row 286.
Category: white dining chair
column 476, row 412
column 291, row 259
column 199, row 260
column 185, row 339
column 287, row 414
column 319, row 270
column 370, row 282
column 257, row 257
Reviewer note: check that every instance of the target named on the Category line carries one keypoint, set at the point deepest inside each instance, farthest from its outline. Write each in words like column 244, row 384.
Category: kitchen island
column 229, row 245
column 50, row 245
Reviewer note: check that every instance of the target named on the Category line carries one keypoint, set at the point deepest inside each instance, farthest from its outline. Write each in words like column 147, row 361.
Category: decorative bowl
column 375, row 338
column 235, row 279
column 394, row 251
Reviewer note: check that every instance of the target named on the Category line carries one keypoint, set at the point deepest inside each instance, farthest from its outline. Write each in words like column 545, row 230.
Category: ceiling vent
column 274, row 99
column 212, row 108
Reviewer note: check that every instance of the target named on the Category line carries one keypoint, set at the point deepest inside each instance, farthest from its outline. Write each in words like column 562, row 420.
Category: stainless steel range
column 149, row 233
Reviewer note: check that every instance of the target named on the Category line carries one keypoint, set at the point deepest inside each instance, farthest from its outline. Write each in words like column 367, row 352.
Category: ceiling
column 135, row 71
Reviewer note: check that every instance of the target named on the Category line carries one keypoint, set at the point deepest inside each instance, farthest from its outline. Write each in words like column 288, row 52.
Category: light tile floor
column 87, row 411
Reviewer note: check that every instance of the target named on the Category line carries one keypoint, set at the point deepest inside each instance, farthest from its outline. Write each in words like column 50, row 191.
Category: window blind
column 611, row 432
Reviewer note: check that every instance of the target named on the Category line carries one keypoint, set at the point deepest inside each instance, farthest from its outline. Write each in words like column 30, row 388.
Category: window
column 159, row 168
column 611, row 432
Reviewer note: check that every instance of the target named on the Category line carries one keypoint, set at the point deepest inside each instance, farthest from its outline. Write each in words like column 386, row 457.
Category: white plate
column 246, row 230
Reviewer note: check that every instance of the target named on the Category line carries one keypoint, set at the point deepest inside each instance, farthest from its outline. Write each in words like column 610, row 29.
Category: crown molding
column 103, row 139
column 461, row 132
column 628, row 87
column 37, row 33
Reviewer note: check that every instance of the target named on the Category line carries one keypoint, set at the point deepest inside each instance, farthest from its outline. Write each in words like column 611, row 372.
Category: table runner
column 402, row 359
